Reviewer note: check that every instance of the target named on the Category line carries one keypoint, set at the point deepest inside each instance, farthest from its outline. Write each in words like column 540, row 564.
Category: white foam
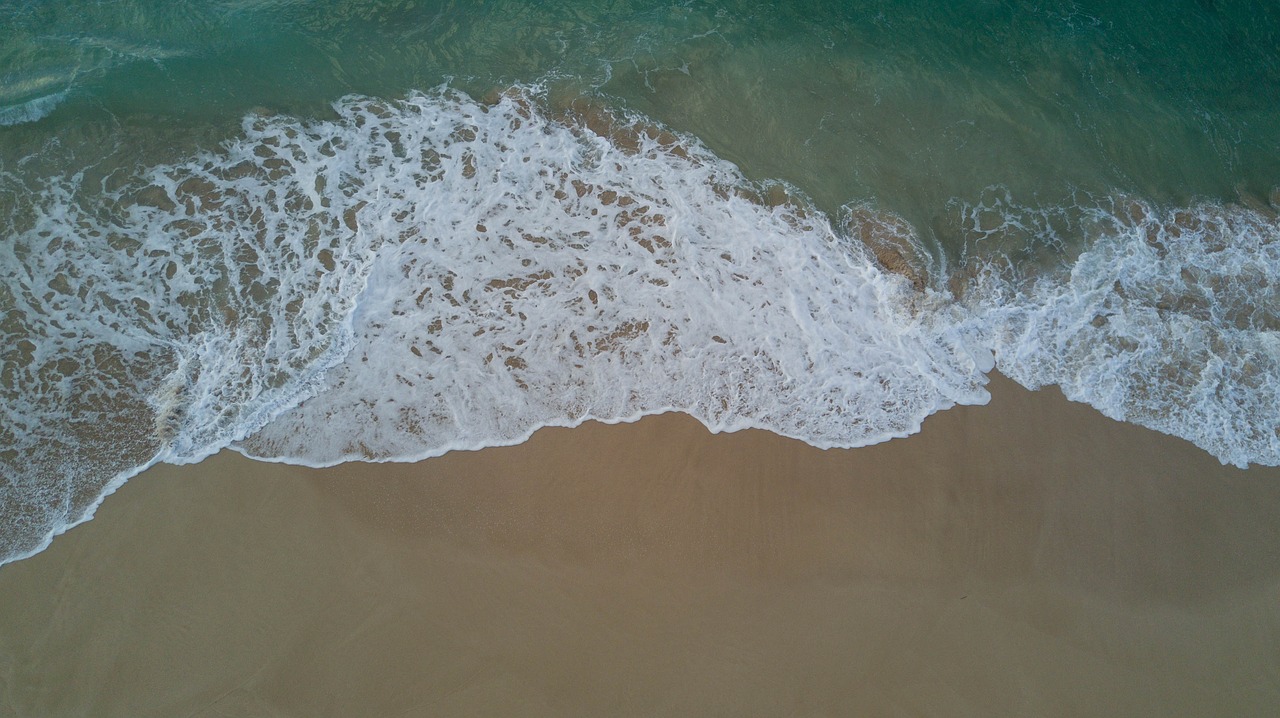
column 168, row 315
column 435, row 273
column 31, row 110
column 541, row 274
column 1170, row 320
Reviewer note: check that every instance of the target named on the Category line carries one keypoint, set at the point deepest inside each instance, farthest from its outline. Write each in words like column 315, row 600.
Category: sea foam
column 1170, row 320
column 31, row 110
column 435, row 273
column 537, row 272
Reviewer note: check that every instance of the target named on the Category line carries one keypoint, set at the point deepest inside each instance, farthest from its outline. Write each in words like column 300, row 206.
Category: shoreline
column 1028, row 556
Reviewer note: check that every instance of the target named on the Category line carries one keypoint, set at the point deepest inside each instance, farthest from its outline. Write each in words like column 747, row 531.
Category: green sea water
column 911, row 104
column 141, row 142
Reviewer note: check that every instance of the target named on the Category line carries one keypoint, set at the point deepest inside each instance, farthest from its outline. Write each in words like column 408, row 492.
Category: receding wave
column 437, row 273
column 1170, row 320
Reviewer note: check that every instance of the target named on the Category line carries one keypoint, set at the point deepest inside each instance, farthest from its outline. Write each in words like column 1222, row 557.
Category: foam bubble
column 548, row 272
column 436, row 273
column 166, row 314
column 1170, row 320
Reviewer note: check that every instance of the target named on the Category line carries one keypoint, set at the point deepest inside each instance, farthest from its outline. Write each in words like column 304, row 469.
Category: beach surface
column 1028, row 557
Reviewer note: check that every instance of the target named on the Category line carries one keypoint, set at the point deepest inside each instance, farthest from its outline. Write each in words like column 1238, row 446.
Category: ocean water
column 328, row 230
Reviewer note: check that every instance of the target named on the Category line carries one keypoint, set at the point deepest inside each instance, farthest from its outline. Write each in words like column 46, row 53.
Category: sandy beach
column 1025, row 558
column 381, row 230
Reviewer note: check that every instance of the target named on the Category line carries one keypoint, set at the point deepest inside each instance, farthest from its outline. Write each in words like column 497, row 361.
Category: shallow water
column 320, row 231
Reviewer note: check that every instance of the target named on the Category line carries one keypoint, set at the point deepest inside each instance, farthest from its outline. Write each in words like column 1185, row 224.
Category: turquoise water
column 910, row 103
column 243, row 223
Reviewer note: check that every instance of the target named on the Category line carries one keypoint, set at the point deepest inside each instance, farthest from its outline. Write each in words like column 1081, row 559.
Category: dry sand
column 1027, row 558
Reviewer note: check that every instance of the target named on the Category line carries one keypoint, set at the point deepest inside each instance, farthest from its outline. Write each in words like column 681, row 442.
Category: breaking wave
column 31, row 110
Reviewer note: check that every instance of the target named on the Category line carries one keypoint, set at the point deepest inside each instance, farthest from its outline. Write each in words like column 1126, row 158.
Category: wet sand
column 1026, row 558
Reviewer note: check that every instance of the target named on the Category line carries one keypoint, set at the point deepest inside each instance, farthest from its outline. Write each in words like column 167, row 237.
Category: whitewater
column 438, row 272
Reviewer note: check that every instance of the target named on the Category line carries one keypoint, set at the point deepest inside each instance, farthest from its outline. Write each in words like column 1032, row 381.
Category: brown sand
column 1026, row 558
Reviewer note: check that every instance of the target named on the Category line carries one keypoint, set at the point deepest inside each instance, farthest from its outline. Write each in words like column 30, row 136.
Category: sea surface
column 317, row 231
